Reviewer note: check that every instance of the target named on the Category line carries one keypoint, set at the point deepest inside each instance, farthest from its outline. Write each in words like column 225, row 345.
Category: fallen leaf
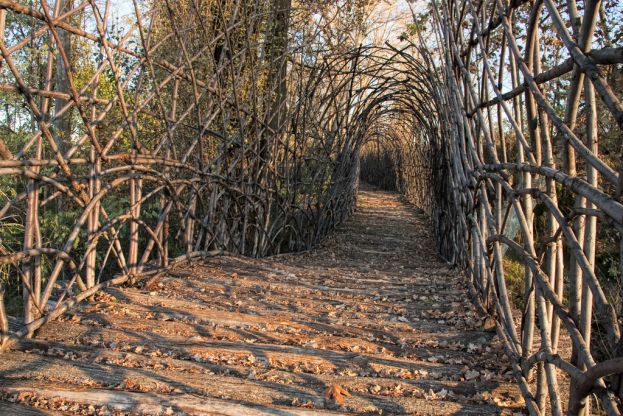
column 336, row 393
column 489, row 324
column 471, row 375
column 375, row 389
column 129, row 384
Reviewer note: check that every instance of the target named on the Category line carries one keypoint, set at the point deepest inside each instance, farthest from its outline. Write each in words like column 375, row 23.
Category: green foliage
column 11, row 232
column 56, row 225
column 514, row 275
column 418, row 25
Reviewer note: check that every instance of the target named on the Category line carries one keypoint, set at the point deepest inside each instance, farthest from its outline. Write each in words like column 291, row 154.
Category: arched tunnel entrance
column 138, row 136
column 378, row 167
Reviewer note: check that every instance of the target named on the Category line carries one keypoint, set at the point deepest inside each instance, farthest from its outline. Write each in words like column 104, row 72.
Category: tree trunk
column 63, row 124
column 277, row 43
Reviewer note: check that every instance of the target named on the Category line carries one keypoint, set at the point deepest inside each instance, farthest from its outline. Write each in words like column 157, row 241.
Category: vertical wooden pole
column 134, row 213
column 93, row 220
column 4, row 322
column 4, row 153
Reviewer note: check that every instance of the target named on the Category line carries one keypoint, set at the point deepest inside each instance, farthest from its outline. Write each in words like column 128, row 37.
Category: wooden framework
column 202, row 127
column 523, row 177
column 179, row 136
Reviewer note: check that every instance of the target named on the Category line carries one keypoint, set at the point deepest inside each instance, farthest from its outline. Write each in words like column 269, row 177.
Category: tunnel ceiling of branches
column 139, row 134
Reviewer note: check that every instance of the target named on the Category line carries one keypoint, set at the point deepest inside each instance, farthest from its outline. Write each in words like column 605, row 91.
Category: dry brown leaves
column 336, row 393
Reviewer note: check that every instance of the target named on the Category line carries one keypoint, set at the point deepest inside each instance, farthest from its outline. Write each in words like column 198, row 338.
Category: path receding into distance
column 373, row 311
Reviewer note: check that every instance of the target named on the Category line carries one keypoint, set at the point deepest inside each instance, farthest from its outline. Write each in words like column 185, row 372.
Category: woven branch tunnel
column 200, row 127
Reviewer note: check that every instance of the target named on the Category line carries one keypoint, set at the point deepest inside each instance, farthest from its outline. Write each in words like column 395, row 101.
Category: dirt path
column 373, row 311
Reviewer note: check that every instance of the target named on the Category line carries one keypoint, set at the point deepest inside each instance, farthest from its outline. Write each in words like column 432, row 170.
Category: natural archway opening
column 377, row 167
